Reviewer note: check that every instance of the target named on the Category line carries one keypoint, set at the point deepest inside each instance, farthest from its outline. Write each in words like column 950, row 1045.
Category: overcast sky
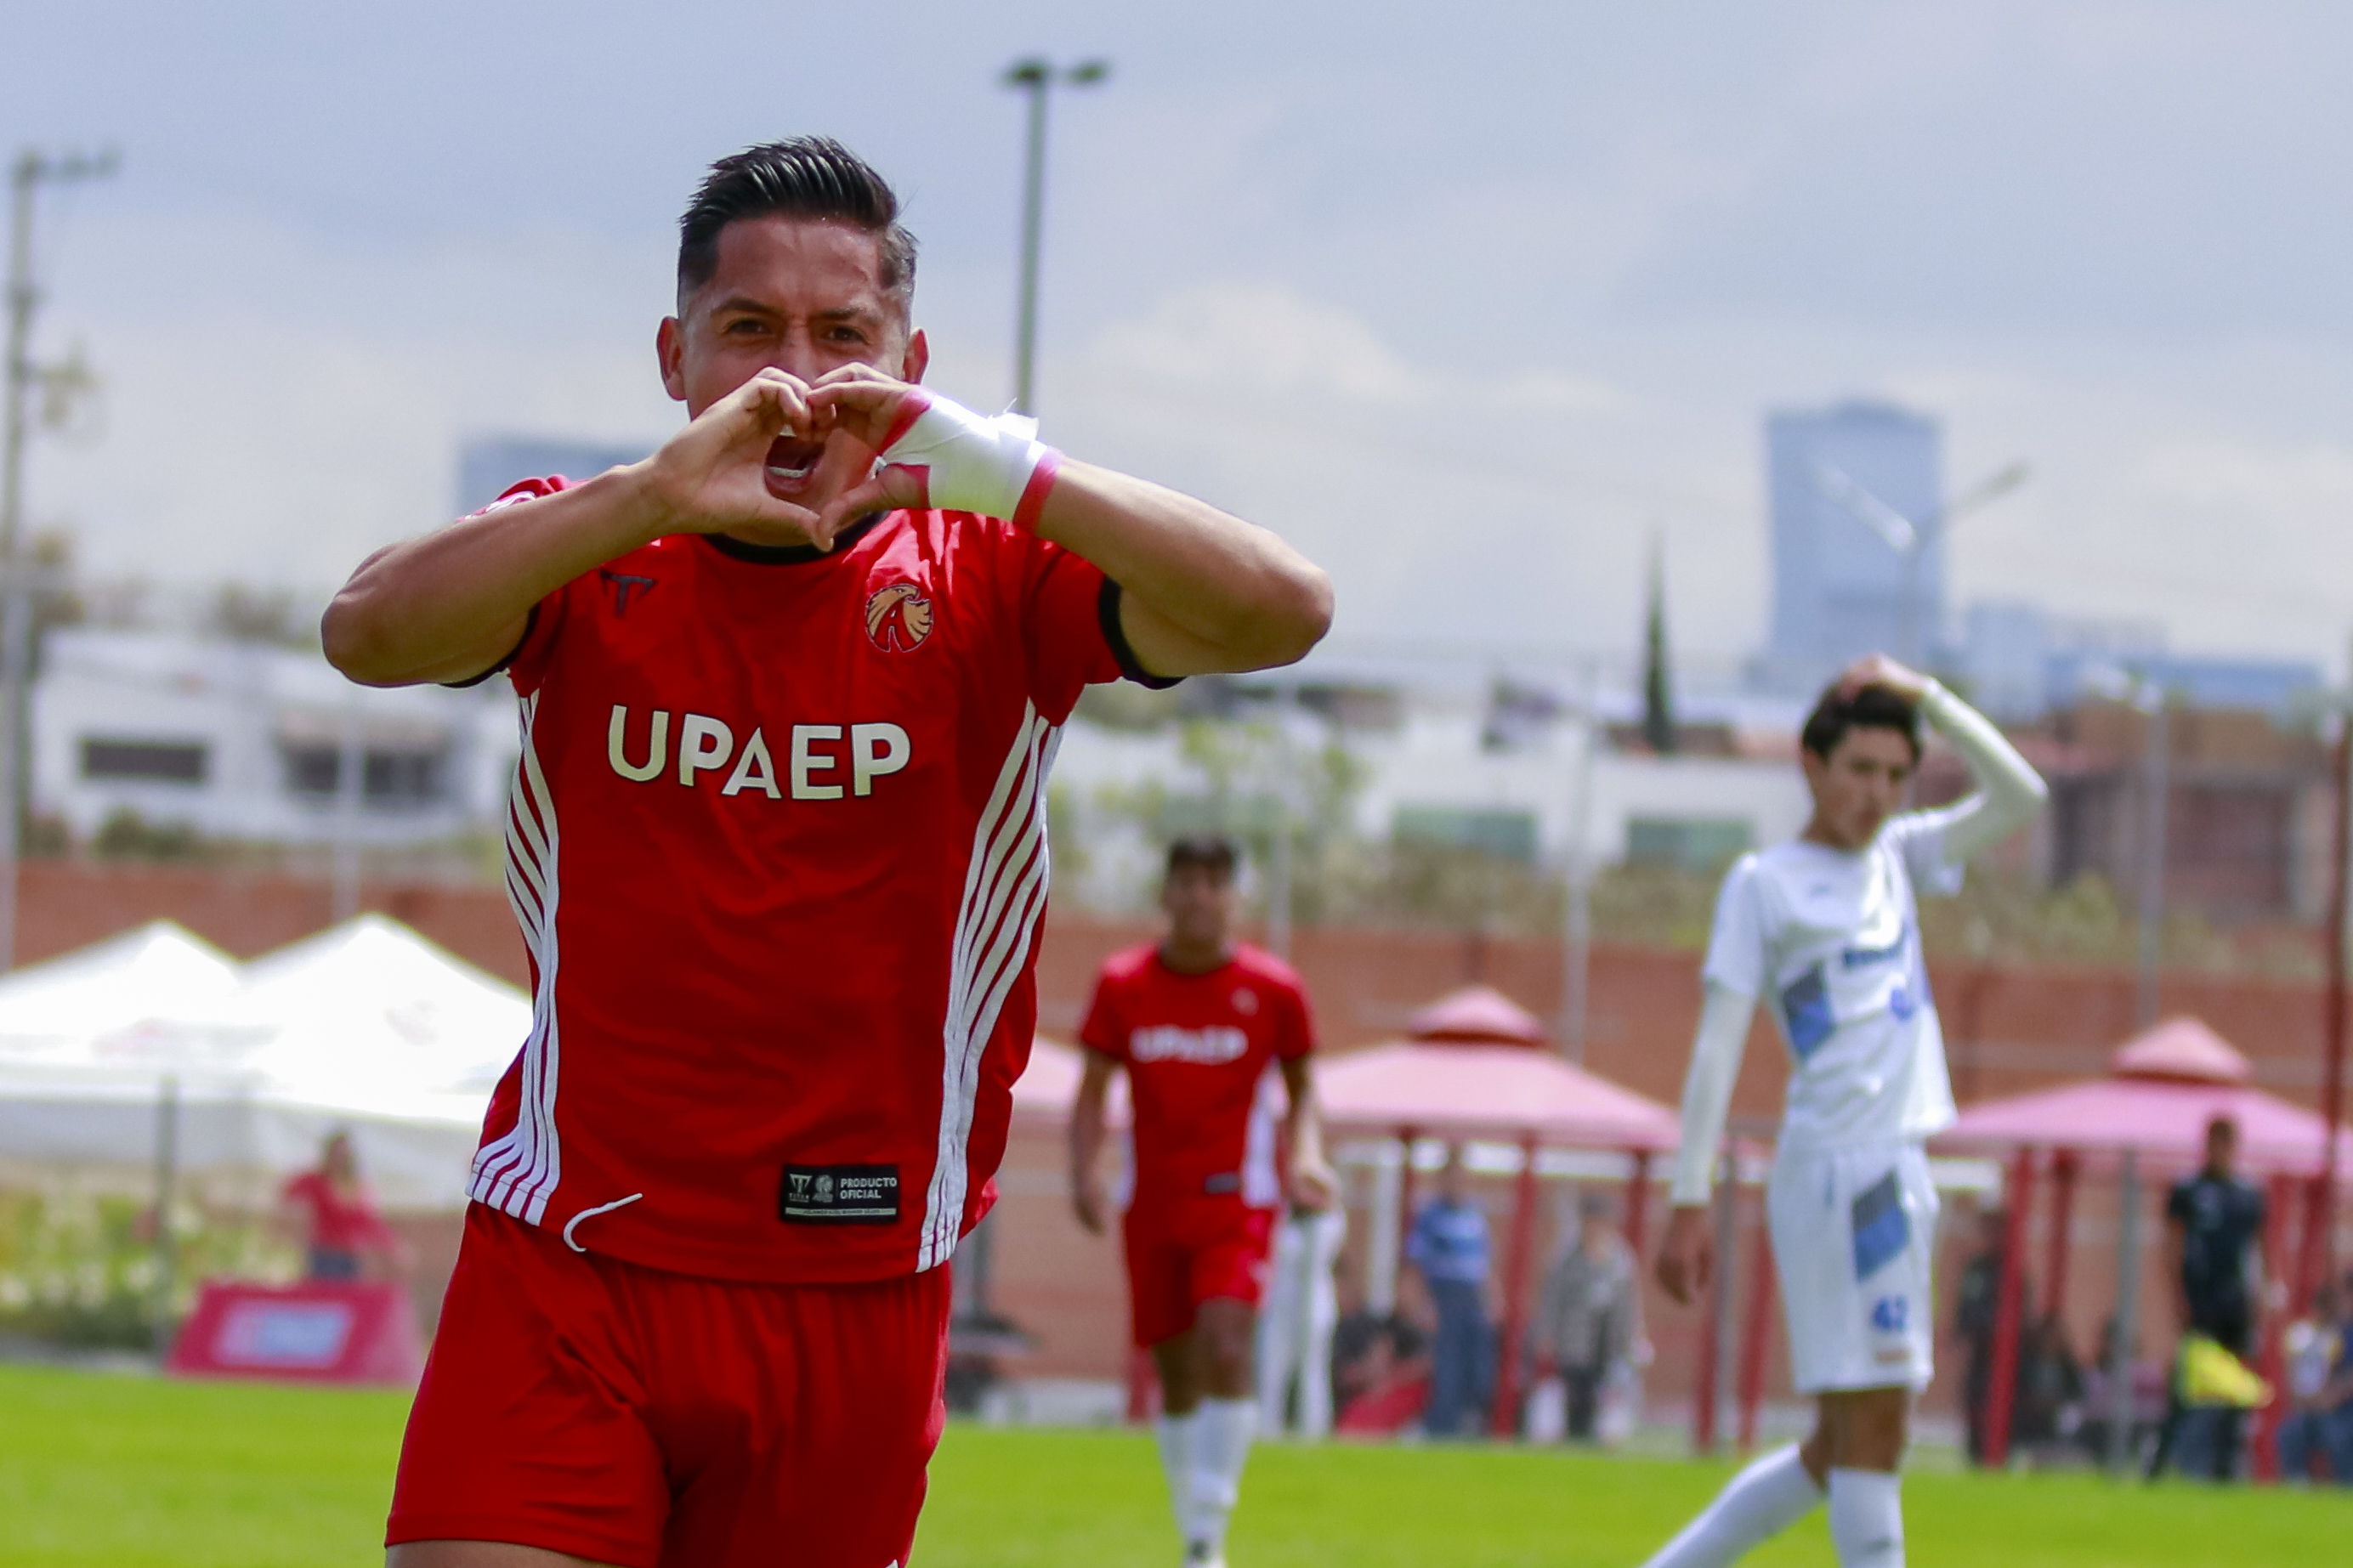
column 1464, row 300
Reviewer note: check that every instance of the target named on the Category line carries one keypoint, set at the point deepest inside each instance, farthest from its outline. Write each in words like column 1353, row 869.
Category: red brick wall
column 67, row 904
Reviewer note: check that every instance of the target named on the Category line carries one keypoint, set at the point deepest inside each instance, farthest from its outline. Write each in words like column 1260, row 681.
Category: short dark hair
column 1872, row 708
column 1212, row 852
column 804, row 177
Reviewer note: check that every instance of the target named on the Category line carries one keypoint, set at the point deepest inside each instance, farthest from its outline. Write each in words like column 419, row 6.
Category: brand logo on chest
column 898, row 618
column 625, row 589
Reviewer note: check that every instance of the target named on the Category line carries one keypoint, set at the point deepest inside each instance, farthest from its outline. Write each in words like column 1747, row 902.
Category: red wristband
column 1033, row 494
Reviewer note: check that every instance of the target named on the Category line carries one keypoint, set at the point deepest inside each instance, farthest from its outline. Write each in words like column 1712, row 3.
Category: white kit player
column 1824, row 930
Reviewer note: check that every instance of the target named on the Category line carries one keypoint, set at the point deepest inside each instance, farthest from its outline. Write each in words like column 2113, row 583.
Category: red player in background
column 789, row 691
column 1202, row 1024
column 332, row 1213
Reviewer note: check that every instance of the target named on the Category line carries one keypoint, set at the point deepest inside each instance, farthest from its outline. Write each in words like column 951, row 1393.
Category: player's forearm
column 1205, row 592
column 1086, row 1143
column 1303, row 1126
column 2011, row 792
column 450, row 605
column 1717, row 1047
column 1306, row 1139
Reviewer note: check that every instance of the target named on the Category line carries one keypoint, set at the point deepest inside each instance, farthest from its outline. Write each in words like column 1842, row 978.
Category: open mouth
column 791, row 463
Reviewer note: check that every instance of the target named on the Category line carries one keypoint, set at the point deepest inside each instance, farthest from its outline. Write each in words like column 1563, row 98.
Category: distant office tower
column 1839, row 586
column 488, row 464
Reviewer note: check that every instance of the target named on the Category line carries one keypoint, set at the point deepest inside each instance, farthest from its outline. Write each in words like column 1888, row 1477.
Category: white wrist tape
column 996, row 467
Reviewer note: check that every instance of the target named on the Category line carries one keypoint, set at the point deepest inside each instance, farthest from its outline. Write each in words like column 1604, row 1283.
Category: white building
column 1440, row 768
column 247, row 742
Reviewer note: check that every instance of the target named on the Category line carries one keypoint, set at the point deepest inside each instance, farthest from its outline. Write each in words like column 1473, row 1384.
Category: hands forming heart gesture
column 760, row 459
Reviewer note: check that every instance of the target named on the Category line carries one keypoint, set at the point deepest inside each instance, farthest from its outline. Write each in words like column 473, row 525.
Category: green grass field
column 133, row 1471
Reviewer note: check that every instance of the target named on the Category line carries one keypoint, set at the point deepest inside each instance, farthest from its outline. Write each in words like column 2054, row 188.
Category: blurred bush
column 78, row 1270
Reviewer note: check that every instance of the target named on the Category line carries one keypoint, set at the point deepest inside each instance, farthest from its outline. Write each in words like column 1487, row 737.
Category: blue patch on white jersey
column 1881, row 1229
column 1806, row 1009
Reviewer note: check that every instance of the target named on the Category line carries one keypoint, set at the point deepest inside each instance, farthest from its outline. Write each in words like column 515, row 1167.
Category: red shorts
column 651, row 1419
column 1183, row 1253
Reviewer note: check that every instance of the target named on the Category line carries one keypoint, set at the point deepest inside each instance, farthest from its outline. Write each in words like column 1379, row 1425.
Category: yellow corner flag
column 2212, row 1375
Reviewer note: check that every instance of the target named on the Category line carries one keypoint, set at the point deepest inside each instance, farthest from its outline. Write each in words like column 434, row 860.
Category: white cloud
column 1257, row 339
column 1271, row 340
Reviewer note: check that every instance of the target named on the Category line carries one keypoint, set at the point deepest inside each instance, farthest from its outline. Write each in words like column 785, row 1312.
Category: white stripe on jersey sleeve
column 1004, row 897
column 517, row 1174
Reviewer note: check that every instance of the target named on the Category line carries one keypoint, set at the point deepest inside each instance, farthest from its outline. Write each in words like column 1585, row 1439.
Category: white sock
column 1760, row 1502
column 1179, row 1437
column 1867, row 1518
column 1221, row 1448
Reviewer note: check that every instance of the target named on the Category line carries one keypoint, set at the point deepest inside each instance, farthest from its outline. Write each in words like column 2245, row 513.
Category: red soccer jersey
column 1196, row 1047
column 777, row 846
column 339, row 1223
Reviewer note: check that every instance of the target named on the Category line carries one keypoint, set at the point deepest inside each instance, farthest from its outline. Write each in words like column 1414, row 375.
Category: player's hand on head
column 711, row 477
column 1878, row 670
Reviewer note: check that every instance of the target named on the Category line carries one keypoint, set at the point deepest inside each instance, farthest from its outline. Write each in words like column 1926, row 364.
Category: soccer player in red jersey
column 1202, row 1024
column 790, row 689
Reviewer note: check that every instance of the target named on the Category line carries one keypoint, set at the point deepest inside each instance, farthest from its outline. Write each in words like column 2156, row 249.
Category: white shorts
column 1853, row 1230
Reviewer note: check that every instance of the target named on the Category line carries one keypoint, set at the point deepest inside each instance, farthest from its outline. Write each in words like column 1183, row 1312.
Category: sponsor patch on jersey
column 1882, row 1229
column 1208, row 1047
column 898, row 618
column 1863, row 957
column 838, row 1194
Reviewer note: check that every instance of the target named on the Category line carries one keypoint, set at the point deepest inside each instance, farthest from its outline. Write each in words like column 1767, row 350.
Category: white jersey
column 1829, row 941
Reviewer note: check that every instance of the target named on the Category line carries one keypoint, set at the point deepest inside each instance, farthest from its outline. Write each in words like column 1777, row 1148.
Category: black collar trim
column 792, row 555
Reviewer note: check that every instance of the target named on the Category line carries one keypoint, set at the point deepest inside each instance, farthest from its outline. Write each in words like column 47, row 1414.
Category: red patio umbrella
column 2161, row 1091
column 1475, row 1067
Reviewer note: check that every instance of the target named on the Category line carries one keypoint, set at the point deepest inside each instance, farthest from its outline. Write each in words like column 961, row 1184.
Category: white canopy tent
column 159, row 970
column 134, row 1054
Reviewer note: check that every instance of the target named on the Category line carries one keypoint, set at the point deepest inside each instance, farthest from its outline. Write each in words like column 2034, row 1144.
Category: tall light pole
column 2155, row 785
column 1911, row 538
column 33, row 170
column 1037, row 76
column 1576, row 924
column 2145, row 695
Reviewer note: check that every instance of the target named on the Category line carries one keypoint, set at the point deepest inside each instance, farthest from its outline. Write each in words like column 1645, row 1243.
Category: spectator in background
column 2138, row 1401
column 330, row 1210
column 1973, row 1314
column 2215, row 1233
column 2319, row 1420
column 1380, row 1373
column 1450, row 1248
column 1589, row 1316
column 2047, row 1402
